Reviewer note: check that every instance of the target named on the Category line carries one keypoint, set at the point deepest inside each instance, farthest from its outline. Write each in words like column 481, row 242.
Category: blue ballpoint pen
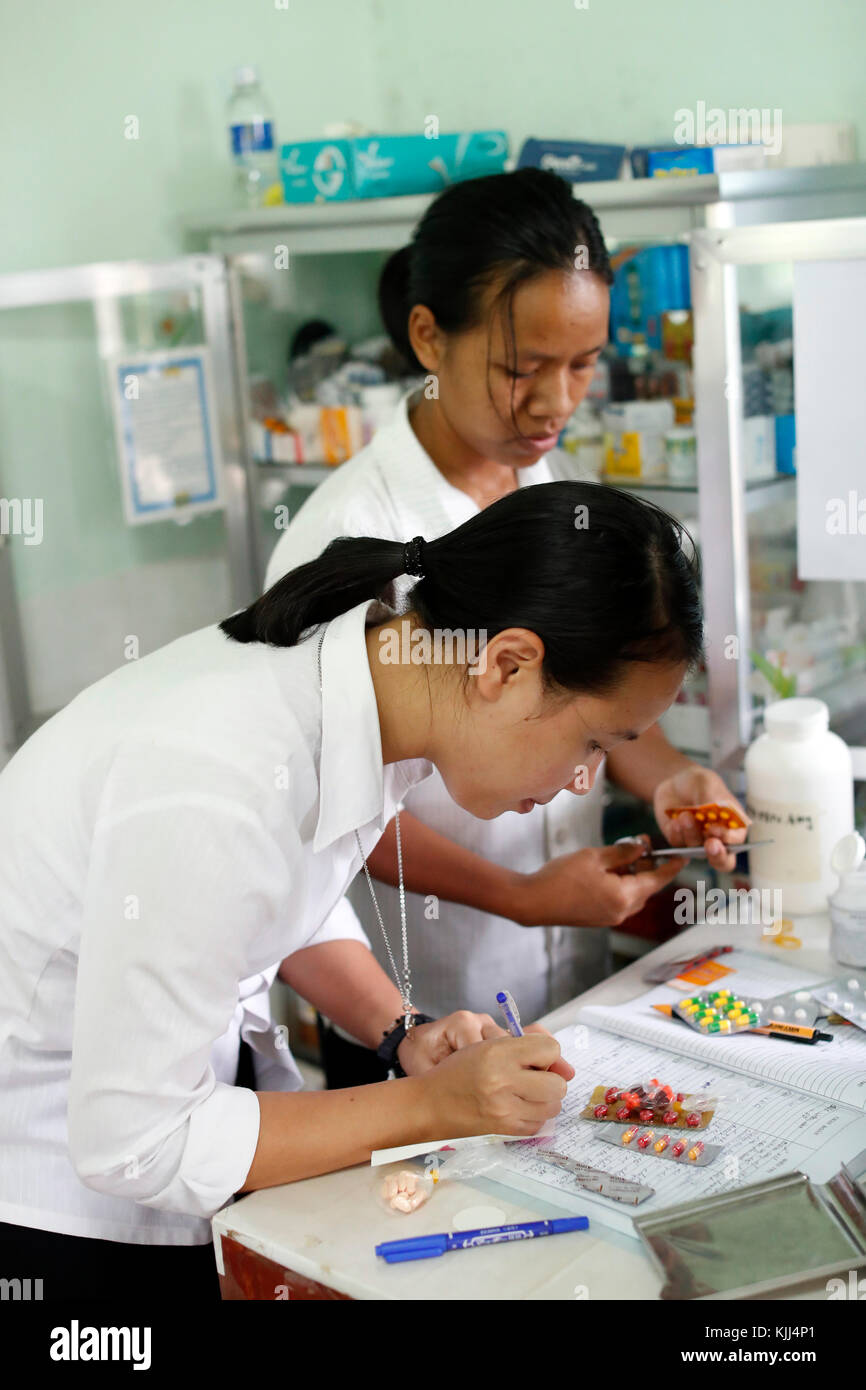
column 509, row 1013
column 426, row 1247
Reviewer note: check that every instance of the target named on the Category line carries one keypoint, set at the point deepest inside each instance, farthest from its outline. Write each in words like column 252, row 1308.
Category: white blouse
column 460, row 956
column 165, row 841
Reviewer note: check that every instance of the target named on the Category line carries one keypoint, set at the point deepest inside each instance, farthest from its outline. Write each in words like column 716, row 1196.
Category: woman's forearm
column 303, row 1134
column 434, row 865
column 345, row 982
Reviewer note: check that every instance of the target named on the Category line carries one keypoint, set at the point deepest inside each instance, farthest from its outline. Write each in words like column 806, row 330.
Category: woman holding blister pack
column 501, row 301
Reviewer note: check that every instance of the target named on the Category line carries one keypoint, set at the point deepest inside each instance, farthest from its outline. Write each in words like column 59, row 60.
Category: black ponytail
column 602, row 577
column 506, row 227
column 348, row 571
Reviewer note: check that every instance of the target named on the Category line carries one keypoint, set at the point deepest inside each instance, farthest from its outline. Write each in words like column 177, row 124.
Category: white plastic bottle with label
column 848, row 903
column 800, row 794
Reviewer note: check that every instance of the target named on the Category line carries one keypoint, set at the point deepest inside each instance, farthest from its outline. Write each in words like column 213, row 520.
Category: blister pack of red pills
column 676, row 1149
column 649, row 1102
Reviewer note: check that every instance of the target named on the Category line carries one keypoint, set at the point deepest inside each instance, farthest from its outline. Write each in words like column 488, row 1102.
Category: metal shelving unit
column 705, row 211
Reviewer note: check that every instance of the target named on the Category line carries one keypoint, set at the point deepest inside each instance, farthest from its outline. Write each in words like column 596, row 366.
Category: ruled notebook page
column 765, row 1128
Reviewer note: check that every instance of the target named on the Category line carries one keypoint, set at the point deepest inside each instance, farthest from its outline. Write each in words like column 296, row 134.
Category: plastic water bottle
column 252, row 139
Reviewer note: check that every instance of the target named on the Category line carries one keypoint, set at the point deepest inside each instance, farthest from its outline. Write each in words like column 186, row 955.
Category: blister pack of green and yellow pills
column 719, row 1013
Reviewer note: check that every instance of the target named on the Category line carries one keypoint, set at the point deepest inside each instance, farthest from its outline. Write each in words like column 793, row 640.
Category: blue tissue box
column 386, row 166
column 575, row 160
column 314, row 171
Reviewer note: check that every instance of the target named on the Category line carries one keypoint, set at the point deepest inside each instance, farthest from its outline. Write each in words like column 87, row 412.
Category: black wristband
column 387, row 1049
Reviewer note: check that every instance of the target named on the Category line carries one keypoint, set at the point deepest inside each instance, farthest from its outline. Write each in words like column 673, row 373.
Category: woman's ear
column 512, row 653
column 425, row 337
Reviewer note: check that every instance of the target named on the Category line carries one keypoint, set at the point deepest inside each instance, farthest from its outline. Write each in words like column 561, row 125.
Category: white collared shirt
column 461, row 956
column 165, row 841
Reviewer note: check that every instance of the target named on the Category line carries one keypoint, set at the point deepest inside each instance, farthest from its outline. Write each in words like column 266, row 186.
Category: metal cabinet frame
column 103, row 284
column 723, row 500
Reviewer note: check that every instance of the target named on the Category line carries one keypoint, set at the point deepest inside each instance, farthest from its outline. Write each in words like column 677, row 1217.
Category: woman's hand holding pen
column 503, row 1085
column 431, row 1043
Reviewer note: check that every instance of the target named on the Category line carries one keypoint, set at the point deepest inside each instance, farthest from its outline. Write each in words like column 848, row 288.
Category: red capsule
column 611, row 1094
column 623, row 1112
column 670, row 1117
column 680, row 1095
column 678, row 1148
column 667, row 1092
column 600, row 1111
column 645, row 1116
column 693, row 1120
column 646, row 1138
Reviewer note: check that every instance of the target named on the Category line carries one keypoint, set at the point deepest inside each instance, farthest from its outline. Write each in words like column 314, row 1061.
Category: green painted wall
column 74, row 189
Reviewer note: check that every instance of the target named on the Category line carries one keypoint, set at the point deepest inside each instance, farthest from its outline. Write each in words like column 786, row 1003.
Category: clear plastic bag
column 409, row 1188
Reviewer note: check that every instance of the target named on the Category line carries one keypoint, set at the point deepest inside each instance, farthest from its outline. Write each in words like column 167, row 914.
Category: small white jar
column 848, row 903
column 800, row 795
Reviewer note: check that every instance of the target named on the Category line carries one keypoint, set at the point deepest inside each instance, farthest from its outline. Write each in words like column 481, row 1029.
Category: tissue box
column 575, row 160
column 317, row 171
column 821, row 142
column 386, row 166
column 706, row 159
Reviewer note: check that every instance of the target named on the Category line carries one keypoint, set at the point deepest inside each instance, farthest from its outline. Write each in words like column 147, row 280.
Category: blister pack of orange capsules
column 711, row 816
column 650, row 1103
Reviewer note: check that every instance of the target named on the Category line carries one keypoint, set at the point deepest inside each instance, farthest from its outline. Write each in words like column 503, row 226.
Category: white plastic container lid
column 796, row 720
column 848, row 854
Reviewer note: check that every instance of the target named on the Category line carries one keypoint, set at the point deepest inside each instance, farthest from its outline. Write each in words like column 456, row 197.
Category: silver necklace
column 406, row 987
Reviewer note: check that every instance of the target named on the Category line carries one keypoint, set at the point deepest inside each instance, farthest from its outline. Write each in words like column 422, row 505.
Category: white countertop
column 325, row 1228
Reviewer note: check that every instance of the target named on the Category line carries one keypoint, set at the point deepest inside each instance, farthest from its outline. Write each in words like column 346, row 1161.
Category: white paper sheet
column 380, row 1156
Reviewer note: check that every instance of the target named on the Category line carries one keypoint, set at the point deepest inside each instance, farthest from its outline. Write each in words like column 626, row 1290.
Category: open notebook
column 783, row 1107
